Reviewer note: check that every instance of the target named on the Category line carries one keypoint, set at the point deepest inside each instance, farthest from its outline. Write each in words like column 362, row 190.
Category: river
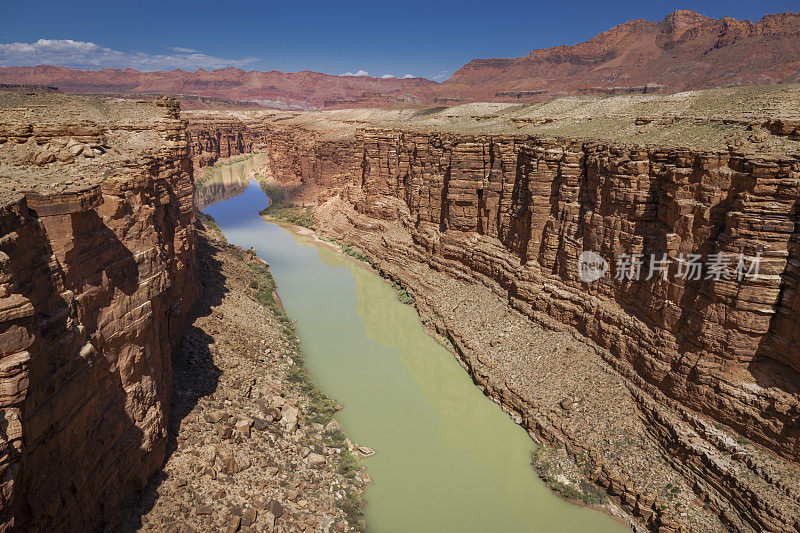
column 448, row 458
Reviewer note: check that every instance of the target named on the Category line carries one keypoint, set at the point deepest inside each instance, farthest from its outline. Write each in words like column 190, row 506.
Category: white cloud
column 184, row 50
column 408, row 76
column 386, row 76
column 443, row 75
column 361, row 72
column 88, row 55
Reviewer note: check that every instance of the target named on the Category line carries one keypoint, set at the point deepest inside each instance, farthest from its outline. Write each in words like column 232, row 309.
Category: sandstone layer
column 98, row 276
column 488, row 228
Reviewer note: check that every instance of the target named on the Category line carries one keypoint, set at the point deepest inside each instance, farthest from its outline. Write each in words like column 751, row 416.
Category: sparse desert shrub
column 354, row 252
column 348, row 463
column 353, row 509
column 299, row 216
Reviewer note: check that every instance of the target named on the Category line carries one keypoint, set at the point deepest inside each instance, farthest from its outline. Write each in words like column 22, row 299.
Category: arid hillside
column 684, row 51
column 298, row 90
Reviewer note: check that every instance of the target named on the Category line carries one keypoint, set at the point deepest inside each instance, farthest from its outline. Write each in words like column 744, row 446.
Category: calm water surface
column 448, row 458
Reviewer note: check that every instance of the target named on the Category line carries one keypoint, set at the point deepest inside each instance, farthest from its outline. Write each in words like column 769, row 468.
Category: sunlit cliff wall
column 726, row 347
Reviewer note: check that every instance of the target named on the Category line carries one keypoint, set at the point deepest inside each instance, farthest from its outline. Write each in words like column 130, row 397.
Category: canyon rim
column 604, row 235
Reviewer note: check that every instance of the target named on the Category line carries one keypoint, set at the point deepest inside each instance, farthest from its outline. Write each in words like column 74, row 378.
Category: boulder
column 316, row 461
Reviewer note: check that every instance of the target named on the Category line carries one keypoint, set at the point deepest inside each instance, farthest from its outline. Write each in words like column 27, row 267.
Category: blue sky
column 431, row 39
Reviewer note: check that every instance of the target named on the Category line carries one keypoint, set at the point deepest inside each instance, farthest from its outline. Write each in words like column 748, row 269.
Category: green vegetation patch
column 353, row 507
column 402, row 295
column 354, row 252
column 281, row 206
column 444, row 341
column 299, row 216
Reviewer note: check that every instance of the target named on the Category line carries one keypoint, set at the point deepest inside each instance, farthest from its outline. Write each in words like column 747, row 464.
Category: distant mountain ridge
column 280, row 89
column 684, row 51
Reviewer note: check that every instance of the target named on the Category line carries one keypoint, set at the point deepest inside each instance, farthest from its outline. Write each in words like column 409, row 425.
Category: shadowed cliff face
column 98, row 275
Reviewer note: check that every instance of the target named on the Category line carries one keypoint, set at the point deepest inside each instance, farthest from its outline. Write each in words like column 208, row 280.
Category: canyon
column 143, row 359
column 485, row 230
column 679, row 398
column 685, row 51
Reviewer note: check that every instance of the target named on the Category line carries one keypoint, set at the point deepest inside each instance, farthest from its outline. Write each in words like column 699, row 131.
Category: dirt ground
column 714, row 119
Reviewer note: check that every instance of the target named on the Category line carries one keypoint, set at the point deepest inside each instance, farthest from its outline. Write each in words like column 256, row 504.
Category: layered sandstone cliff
column 98, row 275
column 727, row 347
column 515, row 213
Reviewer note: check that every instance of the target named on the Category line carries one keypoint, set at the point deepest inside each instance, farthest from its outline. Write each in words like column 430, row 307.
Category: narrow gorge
column 682, row 401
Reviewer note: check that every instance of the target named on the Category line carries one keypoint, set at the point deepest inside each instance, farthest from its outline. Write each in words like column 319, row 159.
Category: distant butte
column 684, row 51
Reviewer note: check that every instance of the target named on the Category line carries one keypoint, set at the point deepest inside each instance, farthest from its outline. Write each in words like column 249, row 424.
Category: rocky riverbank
column 252, row 445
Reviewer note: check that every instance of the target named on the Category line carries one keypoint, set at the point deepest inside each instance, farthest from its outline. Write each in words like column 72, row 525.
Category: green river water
column 448, row 458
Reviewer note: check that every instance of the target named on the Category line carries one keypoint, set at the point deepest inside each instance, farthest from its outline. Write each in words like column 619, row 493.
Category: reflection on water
column 227, row 180
column 448, row 459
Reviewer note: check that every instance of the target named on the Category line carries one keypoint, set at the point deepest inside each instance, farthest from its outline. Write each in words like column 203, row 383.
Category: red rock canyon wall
column 519, row 211
column 96, row 283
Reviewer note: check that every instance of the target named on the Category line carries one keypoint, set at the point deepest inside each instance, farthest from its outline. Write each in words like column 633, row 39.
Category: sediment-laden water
column 448, row 458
